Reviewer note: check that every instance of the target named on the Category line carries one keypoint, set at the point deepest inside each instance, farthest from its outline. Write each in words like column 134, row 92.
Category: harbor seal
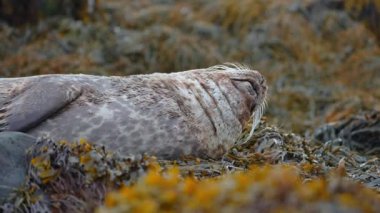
column 198, row 112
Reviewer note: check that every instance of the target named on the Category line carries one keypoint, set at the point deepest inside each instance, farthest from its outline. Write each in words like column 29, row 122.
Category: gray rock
column 13, row 161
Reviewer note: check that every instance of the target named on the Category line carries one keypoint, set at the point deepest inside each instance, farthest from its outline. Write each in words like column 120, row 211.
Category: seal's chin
column 255, row 118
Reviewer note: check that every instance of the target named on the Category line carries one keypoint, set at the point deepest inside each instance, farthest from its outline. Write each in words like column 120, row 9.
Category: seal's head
column 244, row 89
column 223, row 100
column 250, row 101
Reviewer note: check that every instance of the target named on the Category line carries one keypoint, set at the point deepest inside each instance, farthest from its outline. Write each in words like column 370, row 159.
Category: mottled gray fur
column 197, row 112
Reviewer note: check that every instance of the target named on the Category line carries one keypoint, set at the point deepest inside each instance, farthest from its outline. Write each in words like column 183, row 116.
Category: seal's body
column 197, row 112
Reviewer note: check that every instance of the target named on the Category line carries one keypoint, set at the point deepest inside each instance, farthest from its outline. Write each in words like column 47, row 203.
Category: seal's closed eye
column 246, row 86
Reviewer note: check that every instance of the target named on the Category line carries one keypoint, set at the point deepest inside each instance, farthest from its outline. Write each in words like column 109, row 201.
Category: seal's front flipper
column 29, row 107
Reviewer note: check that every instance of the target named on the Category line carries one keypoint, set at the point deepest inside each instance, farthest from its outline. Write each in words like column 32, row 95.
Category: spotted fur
column 198, row 112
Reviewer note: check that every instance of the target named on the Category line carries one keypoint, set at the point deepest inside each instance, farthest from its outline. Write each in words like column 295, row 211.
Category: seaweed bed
column 275, row 170
column 316, row 149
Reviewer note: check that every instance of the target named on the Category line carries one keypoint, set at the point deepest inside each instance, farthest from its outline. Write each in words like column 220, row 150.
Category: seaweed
column 73, row 176
column 321, row 60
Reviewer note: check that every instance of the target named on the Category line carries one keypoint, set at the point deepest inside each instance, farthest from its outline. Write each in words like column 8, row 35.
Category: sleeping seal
column 198, row 112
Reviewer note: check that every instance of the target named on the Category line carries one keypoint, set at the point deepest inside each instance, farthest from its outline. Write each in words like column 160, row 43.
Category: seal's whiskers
column 256, row 116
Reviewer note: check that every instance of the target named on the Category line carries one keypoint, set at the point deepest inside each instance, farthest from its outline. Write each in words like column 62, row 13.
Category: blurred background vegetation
column 321, row 57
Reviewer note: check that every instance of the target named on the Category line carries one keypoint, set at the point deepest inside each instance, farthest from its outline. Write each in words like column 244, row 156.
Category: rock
column 13, row 161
